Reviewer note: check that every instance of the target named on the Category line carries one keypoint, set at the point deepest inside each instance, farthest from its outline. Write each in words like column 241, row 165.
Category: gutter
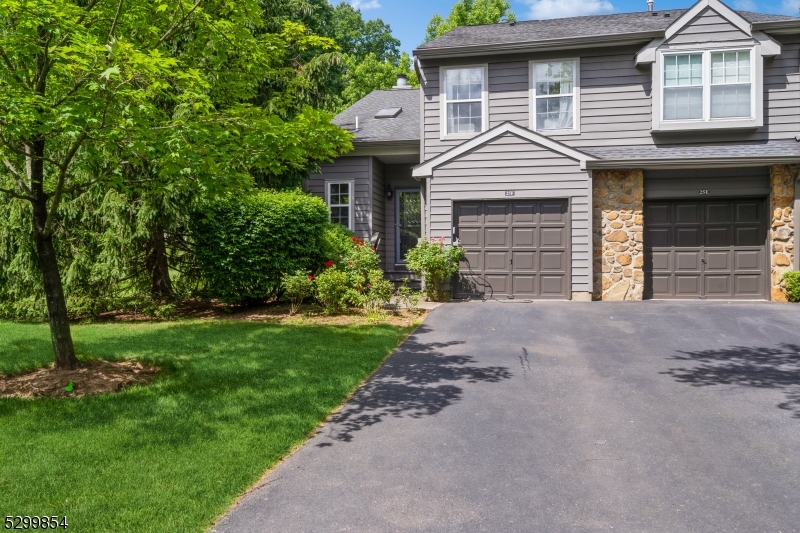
column 689, row 162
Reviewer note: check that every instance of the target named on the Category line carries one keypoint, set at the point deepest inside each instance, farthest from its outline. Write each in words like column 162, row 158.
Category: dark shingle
column 780, row 148
column 532, row 31
column 404, row 127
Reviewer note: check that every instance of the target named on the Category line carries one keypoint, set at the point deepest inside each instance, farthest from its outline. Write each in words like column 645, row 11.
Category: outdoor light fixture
column 389, row 192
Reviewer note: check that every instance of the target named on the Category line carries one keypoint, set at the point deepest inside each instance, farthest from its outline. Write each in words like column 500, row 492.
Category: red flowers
column 354, row 239
column 373, row 249
column 328, row 263
column 310, row 277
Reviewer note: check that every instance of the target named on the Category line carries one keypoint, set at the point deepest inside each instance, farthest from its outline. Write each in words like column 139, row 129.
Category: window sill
column 459, row 136
column 700, row 125
column 550, row 133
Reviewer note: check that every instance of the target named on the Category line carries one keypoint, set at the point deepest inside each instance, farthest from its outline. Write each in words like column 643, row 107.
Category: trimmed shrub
column 436, row 262
column 791, row 282
column 331, row 290
column 245, row 244
column 336, row 242
column 298, row 287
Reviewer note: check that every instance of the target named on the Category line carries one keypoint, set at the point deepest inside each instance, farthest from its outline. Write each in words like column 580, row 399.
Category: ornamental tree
column 141, row 95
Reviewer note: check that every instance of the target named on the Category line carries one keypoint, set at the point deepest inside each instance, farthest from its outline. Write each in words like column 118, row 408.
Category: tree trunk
column 158, row 266
column 48, row 264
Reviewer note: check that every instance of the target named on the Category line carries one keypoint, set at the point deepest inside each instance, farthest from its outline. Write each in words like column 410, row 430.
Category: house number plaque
column 509, row 193
column 703, row 192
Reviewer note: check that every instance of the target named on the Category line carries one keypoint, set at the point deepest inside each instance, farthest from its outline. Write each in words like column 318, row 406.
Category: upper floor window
column 709, row 85
column 555, row 92
column 464, row 96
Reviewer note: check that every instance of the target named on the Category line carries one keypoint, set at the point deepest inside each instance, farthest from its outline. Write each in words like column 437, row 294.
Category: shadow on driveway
column 775, row 368
column 417, row 381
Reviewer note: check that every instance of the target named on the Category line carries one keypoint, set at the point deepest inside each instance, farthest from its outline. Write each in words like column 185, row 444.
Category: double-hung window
column 340, row 202
column 707, row 86
column 464, row 96
column 555, row 95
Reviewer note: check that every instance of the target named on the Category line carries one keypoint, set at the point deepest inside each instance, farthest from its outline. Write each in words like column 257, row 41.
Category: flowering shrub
column 331, row 290
column 791, row 281
column 298, row 287
column 435, row 262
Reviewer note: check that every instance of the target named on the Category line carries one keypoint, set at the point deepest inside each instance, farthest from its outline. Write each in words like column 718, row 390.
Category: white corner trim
column 426, row 169
column 648, row 53
column 769, row 46
column 732, row 16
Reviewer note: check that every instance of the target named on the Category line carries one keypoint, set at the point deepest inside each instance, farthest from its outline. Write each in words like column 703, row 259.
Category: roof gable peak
column 716, row 5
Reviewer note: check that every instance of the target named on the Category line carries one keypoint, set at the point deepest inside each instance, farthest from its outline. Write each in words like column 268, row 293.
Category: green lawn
column 173, row 455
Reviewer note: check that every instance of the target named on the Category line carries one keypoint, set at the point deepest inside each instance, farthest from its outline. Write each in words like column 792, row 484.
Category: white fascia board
column 769, row 46
column 732, row 16
column 648, row 54
column 426, row 169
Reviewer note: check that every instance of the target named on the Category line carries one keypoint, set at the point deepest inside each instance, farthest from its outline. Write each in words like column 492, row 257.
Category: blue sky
column 408, row 18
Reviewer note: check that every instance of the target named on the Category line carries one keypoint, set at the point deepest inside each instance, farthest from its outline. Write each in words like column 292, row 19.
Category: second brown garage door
column 515, row 249
column 706, row 249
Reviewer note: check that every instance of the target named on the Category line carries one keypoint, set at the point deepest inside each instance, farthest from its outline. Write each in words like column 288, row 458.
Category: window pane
column 464, row 118
column 730, row 67
column 683, row 103
column 730, row 101
column 409, row 217
column 683, row 70
column 339, row 193
column 554, row 113
column 557, row 77
column 464, row 84
column 341, row 215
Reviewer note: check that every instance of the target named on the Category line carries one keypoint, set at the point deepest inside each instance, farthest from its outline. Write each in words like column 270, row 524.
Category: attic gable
column 708, row 20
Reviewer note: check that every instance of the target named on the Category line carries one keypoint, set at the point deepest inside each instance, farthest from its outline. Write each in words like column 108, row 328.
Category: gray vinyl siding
column 720, row 183
column 378, row 204
column 511, row 163
column 615, row 99
column 706, row 27
column 397, row 177
column 356, row 169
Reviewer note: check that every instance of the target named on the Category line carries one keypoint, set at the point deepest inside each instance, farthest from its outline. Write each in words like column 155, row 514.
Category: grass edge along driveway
column 236, row 397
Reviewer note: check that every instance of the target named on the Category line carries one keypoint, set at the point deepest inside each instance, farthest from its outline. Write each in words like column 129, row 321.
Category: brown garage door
column 514, row 249
column 706, row 249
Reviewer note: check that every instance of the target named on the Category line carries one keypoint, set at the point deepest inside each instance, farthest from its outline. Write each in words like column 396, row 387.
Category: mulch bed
column 95, row 377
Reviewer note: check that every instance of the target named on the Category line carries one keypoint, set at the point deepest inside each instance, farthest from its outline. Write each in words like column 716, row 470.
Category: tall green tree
column 469, row 13
column 368, row 74
column 93, row 91
column 359, row 38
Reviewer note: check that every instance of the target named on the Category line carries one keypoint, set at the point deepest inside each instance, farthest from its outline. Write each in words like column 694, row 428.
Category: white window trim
column 352, row 185
column 756, row 120
column 443, row 135
column 576, row 98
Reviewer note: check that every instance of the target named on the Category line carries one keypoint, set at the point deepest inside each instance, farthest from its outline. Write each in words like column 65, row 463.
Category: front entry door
column 408, row 214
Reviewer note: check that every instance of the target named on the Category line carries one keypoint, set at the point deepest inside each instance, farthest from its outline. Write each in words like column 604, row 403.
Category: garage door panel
column 495, row 261
column 553, row 286
column 524, row 213
column 707, row 249
column 468, row 214
column 524, row 261
column 496, row 213
column 748, row 260
column 524, row 237
column 687, row 236
column 719, row 260
column 524, row 285
column 718, row 236
column 687, row 213
column 747, row 236
column 553, row 237
column 514, row 248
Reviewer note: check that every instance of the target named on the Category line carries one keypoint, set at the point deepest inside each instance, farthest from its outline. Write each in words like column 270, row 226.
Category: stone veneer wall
column 618, row 234
column 782, row 225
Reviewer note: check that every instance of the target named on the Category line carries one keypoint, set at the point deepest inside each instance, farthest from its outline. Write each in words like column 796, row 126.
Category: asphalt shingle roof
column 564, row 28
column 404, row 127
column 780, row 148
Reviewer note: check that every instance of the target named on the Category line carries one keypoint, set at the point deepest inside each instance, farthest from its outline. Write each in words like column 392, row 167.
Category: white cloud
column 744, row 5
column 790, row 7
column 553, row 9
column 363, row 5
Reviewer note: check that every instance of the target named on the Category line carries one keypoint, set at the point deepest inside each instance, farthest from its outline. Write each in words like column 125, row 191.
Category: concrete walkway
column 560, row 417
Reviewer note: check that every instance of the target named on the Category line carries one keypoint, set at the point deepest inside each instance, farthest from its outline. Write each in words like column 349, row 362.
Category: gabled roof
column 727, row 13
column 426, row 168
column 564, row 32
column 402, row 128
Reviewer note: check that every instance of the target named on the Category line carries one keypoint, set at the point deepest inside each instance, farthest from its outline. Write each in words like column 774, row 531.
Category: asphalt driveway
column 556, row 417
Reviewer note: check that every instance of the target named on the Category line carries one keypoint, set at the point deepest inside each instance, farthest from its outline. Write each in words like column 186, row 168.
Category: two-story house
column 615, row 157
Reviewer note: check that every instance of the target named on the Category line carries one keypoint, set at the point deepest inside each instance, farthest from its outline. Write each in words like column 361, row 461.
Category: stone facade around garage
column 618, row 234
column 782, row 225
